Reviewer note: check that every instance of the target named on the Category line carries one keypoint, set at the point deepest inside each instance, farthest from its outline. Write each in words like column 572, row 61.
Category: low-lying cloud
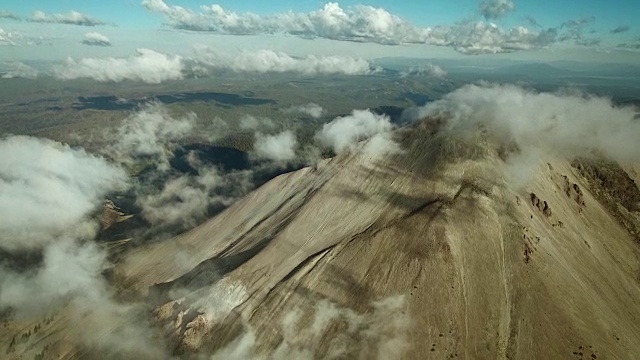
column 264, row 61
column 183, row 201
column 250, row 122
column 279, row 147
column 20, row 70
column 96, row 39
column 381, row 333
column 149, row 134
column 431, row 70
column 48, row 195
column 312, row 110
column 566, row 124
column 147, row 66
column 47, row 189
column 345, row 133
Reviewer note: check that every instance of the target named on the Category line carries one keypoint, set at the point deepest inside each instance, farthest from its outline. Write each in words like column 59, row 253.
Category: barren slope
column 424, row 254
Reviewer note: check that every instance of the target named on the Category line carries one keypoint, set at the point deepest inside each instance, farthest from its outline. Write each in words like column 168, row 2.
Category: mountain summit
column 427, row 253
column 456, row 244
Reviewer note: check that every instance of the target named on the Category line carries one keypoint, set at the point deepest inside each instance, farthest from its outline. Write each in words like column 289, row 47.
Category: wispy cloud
column 425, row 70
column 20, row 70
column 495, row 9
column 71, row 18
column 16, row 38
column 311, row 109
column 620, row 29
column 5, row 14
column 96, row 39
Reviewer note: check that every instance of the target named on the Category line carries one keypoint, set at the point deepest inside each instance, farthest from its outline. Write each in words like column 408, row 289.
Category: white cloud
column 250, row 122
column 16, row 38
column 381, row 144
column 271, row 61
column 9, row 38
column 487, row 38
column 184, row 200
column 365, row 24
column 147, row 66
column 149, row 133
column 67, row 270
column 344, row 133
column 311, row 109
column 48, row 195
column 495, row 9
column 280, row 147
column 4, row 14
column 71, row 18
column 380, row 333
column 565, row 124
column 96, row 39
column 47, row 189
column 20, row 70
column 358, row 23
column 425, row 70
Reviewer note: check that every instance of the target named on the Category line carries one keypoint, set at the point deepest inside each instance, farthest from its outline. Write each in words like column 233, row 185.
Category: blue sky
column 137, row 26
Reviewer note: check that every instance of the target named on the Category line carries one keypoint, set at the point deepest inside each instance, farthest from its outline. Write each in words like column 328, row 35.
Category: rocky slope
column 424, row 254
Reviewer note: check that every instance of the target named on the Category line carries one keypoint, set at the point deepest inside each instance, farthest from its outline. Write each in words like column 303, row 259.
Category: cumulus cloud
column 366, row 24
column 311, row 109
column 345, row 133
column 563, row 123
column 358, row 23
column 147, row 66
column 71, row 18
column 280, row 147
column 620, row 29
column 4, row 14
column 495, row 9
column 270, row 61
column 474, row 38
column 20, row 70
column 95, row 39
column 425, row 70
column 47, row 189
column 149, row 134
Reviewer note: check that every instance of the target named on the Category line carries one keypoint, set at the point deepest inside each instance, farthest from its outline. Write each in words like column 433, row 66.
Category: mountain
column 428, row 253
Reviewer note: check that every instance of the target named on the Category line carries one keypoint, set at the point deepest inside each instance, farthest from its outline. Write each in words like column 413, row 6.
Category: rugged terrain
column 428, row 253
